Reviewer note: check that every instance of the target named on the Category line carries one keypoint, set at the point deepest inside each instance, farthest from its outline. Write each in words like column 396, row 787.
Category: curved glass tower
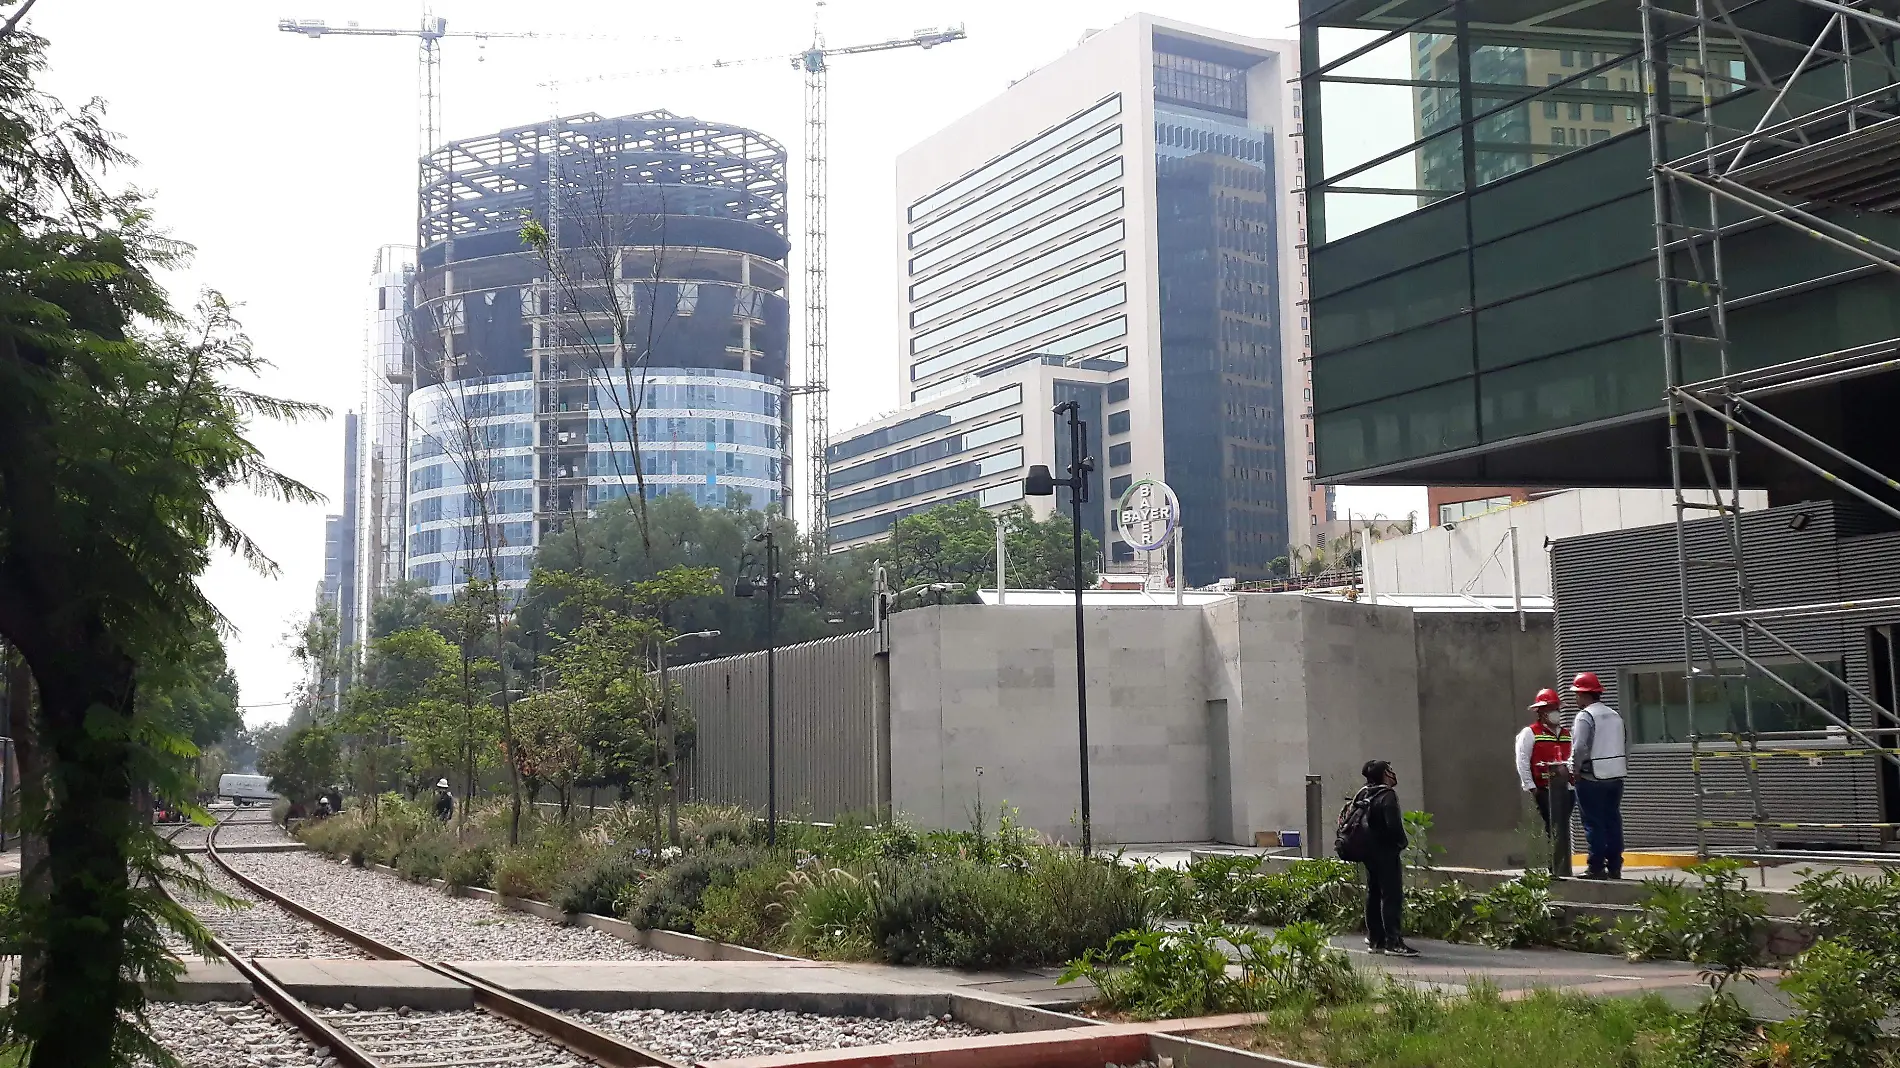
column 633, row 338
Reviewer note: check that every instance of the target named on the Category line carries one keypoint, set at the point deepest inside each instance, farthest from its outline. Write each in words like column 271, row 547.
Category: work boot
column 1400, row 949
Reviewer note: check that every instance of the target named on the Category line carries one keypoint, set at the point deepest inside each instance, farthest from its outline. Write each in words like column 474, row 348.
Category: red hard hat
column 1586, row 682
column 1546, row 698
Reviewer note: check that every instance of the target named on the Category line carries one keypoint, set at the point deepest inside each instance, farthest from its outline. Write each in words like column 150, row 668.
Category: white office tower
column 1121, row 228
column 387, row 379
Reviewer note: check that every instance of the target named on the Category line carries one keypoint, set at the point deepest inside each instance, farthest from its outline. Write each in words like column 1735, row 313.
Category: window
column 1118, row 391
column 1118, row 422
column 1567, row 58
column 1045, row 202
column 968, row 295
column 1020, row 244
column 1021, row 302
column 1576, row 112
column 1655, row 701
column 687, row 301
column 1550, row 106
column 1014, row 157
column 1119, row 485
column 1462, row 510
column 1049, row 320
column 1120, row 455
column 748, row 303
column 1017, row 186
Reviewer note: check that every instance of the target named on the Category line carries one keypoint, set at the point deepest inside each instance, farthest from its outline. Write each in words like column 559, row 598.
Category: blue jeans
column 1600, row 806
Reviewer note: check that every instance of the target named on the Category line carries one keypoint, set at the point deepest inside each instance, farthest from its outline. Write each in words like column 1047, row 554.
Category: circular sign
column 1148, row 515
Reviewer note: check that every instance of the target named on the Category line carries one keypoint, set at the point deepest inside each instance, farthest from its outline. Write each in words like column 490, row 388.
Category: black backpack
column 1352, row 835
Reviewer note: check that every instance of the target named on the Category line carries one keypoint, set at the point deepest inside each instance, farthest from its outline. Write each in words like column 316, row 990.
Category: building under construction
column 600, row 311
column 1643, row 243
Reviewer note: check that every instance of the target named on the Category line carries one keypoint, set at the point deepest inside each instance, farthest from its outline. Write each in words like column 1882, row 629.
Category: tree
column 121, row 422
column 305, row 765
column 404, row 606
column 957, row 543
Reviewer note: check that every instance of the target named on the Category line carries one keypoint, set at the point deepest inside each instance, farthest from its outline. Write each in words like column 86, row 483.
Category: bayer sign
column 1148, row 515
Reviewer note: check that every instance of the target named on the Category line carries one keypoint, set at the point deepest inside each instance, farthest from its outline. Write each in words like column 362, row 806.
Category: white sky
column 288, row 161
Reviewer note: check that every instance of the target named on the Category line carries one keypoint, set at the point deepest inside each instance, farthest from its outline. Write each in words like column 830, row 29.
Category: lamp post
column 666, row 719
column 1039, row 483
column 746, row 587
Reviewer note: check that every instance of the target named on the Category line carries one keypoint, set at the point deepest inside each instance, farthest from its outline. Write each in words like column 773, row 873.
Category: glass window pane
column 1594, row 383
column 1040, row 205
column 1015, row 157
column 1016, row 187
column 1073, row 250
column 1021, row 302
column 1438, row 419
column 1020, row 333
column 1420, row 295
column 1404, row 362
column 1020, row 244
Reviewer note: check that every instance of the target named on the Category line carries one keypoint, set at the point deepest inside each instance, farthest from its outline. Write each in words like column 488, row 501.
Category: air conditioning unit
column 564, row 437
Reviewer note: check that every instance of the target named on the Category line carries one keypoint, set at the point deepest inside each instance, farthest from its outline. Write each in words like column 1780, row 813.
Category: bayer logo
column 1147, row 515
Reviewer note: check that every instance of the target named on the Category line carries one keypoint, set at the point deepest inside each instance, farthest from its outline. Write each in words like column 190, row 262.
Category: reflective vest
column 1549, row 745
column 1602, row 753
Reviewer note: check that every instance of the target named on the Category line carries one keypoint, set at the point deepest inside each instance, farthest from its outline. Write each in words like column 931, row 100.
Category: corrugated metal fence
column 826, row 727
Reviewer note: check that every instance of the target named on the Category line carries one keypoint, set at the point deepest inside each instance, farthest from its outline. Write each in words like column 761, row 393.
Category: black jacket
column 1385, row 821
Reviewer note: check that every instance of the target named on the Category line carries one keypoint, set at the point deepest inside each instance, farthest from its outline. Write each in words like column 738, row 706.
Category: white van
column 246, row 789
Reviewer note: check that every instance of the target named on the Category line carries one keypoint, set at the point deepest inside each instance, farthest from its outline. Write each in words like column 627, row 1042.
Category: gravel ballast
column 264, row 929
column 231, row 1034
column 398, row 1037
column 426, row 922
column 710, row 1036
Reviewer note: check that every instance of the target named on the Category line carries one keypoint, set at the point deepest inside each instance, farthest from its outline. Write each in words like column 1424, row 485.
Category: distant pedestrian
column 335, row 795
column 444, row 801
column 1543, row 750
column 1372, row 832
column 1598, row 761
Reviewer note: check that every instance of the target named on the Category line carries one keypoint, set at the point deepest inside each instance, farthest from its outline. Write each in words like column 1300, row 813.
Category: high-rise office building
column 1123, row 225
column 383, row 475
column 339, row 590
column 655, row 326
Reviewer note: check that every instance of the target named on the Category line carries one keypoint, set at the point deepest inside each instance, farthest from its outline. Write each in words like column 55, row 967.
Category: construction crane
column 815, row 62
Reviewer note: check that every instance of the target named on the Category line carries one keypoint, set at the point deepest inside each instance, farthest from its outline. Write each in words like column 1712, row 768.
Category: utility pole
column 1039, row 483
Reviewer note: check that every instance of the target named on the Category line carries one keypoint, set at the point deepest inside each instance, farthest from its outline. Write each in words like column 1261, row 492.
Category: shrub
column 470, row 866
column 1154, row 974
column 1328, row 892
column 964, row 914
column 827, row 912
column 671, row 899
column 425, row 858
column 1438, row 911
column 536, row 871
column 1718, row 923
column 602, row 880
column 1419, row 850
column 1842, row 998
column 1518, row 913
column 1859, row 913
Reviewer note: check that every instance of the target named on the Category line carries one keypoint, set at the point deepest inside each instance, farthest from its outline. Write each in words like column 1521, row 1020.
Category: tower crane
column 815, row 63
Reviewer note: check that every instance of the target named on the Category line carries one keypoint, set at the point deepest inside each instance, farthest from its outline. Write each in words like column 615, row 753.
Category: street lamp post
column 1039, row 483
column 745, row 588
column 666, row 719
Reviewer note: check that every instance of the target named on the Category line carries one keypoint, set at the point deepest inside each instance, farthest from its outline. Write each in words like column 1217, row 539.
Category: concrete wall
column 1477, row 673
column 983, row 704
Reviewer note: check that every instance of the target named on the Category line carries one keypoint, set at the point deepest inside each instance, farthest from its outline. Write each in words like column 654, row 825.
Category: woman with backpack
column 1372, row 833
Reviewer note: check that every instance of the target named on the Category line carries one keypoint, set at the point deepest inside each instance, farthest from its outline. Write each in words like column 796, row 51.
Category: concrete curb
column 674, row 942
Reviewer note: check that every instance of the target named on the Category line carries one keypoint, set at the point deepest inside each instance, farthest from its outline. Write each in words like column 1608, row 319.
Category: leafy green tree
column 307, row 763
column 121, row 423
column 957, row 543
column 404, row 606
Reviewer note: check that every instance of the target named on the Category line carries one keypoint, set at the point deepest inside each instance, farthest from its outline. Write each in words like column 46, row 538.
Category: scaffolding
column 1797, row 165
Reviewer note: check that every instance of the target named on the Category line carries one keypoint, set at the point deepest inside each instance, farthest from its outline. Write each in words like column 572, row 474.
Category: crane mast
column 817, row 384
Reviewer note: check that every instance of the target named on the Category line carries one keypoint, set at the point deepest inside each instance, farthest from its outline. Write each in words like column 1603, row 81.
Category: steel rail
column 280, row 1000
column 564, row 1031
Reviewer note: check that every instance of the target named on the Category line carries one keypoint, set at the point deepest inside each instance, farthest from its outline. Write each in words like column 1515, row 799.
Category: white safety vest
column 1607, row 757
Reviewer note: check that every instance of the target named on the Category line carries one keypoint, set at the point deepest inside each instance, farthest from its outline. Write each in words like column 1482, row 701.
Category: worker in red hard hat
column 1599, row 760
column 1543, row 750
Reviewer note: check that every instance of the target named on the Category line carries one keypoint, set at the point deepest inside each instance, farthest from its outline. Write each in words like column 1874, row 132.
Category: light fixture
column 1800, row 520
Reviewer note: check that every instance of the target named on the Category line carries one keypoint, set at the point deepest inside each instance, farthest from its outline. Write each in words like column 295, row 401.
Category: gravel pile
column 264, row 929
column 399, row 1037
column 712, row 1036
column 230, row 1034
column 424, row 921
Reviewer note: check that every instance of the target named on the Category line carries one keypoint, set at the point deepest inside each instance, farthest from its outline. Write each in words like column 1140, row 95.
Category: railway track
column 504, row 1030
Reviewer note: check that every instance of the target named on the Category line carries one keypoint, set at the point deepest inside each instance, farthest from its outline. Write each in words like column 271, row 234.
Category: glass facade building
column 1484, row 295
column 654, row 323
column 1113, row 230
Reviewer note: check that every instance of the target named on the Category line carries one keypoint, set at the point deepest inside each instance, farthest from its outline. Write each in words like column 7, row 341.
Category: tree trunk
column 29, row 799
column 86, row 718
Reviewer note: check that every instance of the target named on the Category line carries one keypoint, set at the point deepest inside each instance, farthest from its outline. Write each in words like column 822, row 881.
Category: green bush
column 1518, row 913
column 1328, row 892
column 671, row 899
column 1857, row 912
column 1842, row 998
column 601, row 881
column 1151, row 974
column 537, row 870
column 1718, row 923
column 470, row 866
column 748, row 911
column 1441, row 910
column 425, row 858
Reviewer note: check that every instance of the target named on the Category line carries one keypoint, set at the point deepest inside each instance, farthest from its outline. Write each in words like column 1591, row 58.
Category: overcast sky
column 288, row 161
